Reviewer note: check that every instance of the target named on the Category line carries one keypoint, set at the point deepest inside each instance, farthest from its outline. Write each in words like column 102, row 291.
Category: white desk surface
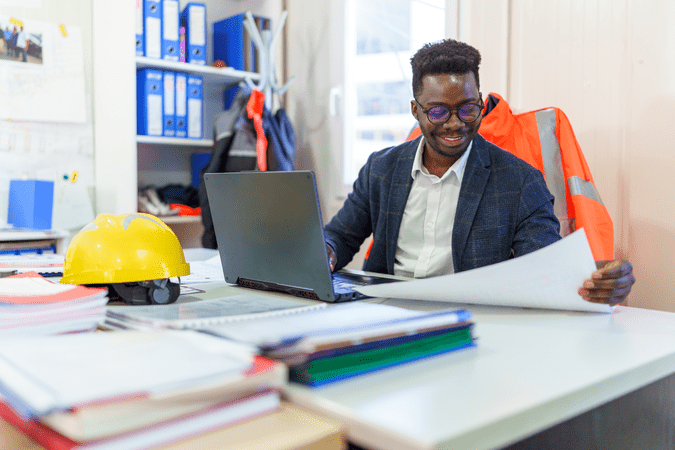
column 530, row 370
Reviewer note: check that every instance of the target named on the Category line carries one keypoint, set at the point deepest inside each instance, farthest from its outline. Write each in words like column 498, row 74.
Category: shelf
column 182, row 142
column 226, row 75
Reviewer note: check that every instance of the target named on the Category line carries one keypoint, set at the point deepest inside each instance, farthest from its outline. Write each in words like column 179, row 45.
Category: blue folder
column 152, row 25
column 140, row 35
column 194, row 21
column 233, row 45
column 169, row 103
column 194, row 107
column 181, row 105
column 149, row 102
column 170, row 33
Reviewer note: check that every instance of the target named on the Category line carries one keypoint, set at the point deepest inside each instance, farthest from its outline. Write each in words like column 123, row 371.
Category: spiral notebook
column 204, row 313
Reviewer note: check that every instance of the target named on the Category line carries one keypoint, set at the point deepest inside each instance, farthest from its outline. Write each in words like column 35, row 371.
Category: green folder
column 326, row 370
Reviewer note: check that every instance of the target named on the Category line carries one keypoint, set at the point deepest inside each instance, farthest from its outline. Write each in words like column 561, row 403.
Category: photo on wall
column 19, row 42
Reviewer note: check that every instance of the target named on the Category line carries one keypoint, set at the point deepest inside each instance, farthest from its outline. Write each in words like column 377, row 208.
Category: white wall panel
column 650, row 138
column 485, row 25
column 608, row 64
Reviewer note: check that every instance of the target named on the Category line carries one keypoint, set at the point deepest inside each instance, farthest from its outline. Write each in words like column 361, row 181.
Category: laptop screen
column 269, row 229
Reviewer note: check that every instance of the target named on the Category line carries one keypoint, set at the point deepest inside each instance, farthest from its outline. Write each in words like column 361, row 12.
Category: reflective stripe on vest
column 553, row 172
column 579, row 186
column 550, row 154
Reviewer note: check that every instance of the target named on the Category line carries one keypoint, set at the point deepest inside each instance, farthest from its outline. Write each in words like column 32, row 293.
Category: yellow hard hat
column 127, row 248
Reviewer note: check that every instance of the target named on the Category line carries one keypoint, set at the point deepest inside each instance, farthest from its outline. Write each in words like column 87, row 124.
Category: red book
column 206, row 420
column 30, row 288
column 105, row 419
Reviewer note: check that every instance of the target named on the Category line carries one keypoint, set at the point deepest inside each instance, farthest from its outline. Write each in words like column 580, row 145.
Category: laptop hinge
column 276, row 287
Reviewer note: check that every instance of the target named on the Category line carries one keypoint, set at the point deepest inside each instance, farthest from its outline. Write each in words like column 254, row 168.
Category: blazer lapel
column 398, row 197
column 475, row 179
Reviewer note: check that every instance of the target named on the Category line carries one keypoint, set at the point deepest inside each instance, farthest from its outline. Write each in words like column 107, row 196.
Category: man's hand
column 332, row 259
column 610, row 284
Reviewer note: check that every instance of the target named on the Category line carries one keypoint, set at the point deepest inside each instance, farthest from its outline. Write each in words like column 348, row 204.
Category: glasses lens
column 438, row 114
column 469, row 112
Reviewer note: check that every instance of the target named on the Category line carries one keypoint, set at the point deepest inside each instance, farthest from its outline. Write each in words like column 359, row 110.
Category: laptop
column 270, row 235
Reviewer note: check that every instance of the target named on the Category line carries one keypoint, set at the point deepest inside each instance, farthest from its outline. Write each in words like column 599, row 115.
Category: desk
column 530, row 370
column 609, row 376
column 288, row 428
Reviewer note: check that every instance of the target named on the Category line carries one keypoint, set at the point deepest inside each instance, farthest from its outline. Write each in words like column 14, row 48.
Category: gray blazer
column 504, row 209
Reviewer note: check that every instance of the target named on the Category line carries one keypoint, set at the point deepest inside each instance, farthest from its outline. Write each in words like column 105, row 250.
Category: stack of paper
column 343, row 341
column 44, row 264
column 129, row 390
column 32, row 305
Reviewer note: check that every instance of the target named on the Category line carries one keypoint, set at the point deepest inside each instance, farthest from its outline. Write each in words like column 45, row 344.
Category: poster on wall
column 41, row 72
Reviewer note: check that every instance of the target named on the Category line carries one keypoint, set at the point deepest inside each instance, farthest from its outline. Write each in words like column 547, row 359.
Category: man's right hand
column 332, row 259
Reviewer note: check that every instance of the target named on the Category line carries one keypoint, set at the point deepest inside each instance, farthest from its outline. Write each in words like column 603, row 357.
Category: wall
column 312, row 45
column 609, row 66
column 49, row 150
column 114, row 68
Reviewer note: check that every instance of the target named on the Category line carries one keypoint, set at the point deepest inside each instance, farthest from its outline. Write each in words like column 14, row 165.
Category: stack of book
column 44, row 264
column 320, row 343
column 131, row 390
column 347, row 340
column 33, row 305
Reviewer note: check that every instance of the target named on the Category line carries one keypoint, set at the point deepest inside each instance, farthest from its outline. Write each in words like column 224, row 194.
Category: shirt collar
column 458, row 167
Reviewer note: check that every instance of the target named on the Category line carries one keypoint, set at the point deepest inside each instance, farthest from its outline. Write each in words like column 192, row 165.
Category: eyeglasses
column 440, row 114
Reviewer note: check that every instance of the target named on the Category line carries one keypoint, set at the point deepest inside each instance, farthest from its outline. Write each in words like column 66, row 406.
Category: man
column 15, row 40
column 10, row 37
column 22, row 45
column 449, row 200
column 3, row 42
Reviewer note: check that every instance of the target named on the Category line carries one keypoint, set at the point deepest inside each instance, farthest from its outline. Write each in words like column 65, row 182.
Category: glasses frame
column 451, row 112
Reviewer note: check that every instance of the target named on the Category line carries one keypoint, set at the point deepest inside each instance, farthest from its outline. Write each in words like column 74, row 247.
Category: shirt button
column 423, row 260
column 430, row 224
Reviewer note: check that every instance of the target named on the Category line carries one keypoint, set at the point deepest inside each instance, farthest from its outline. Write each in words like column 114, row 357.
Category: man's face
column 451, row 139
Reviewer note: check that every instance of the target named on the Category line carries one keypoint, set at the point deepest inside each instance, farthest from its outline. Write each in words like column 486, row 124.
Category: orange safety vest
column 544, row 138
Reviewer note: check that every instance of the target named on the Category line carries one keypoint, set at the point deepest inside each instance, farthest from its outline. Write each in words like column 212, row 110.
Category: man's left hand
column 610, row 284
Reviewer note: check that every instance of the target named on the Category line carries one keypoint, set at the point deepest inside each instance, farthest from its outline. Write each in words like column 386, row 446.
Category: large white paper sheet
column 548, row 278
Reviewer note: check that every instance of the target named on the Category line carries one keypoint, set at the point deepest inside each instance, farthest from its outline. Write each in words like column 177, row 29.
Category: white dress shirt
column 424, row 247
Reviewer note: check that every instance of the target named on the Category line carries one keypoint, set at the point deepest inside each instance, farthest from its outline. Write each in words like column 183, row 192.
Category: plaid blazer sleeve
column 375, row 206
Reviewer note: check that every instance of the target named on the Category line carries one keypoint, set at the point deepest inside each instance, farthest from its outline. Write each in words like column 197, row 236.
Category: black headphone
column 151, row 292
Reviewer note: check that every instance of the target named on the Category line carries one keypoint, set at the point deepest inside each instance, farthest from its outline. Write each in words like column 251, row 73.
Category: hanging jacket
column 544, row 138
column 235, row 148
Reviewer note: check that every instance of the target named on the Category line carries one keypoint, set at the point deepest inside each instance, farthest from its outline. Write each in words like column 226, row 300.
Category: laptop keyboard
column 344, row 285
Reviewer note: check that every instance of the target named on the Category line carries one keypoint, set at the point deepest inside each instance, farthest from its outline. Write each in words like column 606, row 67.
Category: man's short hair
column 441, row 57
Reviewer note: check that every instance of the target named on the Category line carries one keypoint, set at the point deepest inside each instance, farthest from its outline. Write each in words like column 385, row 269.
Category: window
column 380, row 38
